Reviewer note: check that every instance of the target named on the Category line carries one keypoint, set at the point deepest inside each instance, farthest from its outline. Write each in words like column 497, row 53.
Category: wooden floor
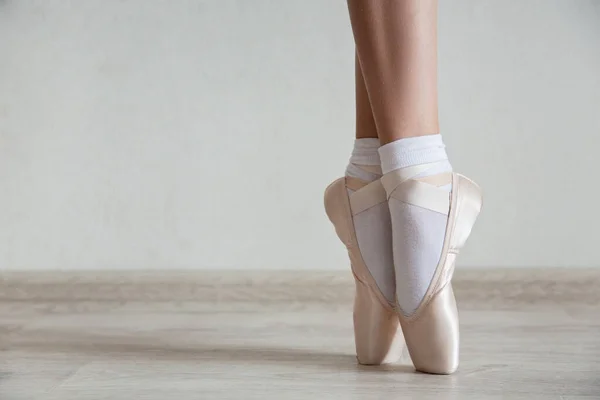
column 132, row 347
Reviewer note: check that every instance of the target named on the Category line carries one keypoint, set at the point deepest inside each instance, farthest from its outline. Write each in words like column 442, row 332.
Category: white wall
column 201, row 134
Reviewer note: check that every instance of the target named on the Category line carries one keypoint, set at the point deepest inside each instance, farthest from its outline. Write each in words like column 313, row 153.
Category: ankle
column 364, row 162
column 412, row 151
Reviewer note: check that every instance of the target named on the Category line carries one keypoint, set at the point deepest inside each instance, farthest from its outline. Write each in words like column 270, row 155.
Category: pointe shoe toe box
column 433, row 339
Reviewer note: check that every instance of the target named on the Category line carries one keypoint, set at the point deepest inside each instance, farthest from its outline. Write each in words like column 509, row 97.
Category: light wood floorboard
column 250, row 348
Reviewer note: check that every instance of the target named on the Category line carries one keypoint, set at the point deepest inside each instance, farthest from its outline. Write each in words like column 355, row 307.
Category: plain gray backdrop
column 201, row 134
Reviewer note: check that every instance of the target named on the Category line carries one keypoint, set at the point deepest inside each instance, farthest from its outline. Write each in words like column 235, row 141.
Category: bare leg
column 396, row 43
column 365, row 123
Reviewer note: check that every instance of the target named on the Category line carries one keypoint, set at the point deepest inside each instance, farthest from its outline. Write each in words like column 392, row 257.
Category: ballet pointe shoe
column 432, row 330
column 377, row 333
column 432, row 337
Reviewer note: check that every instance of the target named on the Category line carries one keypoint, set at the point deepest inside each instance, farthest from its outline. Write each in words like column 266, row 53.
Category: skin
column 396, row 47
column 365, row 123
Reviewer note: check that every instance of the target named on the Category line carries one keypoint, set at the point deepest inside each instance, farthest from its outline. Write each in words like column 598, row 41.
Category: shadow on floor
column 132, row 347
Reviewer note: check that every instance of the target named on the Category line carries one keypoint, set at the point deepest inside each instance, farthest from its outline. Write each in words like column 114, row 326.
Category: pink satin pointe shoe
column 431, row 330
column 377, row 332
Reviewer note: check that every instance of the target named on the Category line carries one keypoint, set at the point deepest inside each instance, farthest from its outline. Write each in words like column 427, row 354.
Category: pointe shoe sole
column 377, row 333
